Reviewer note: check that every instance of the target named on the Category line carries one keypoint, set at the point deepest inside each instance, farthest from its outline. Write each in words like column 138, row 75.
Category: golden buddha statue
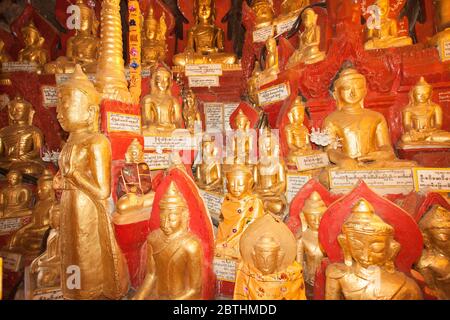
column 385, row 35
column 268, row 270
column 253, row 85
column 362, row 134
column 191, row 114
column 15, row 198
column 242, row 143
column 271, row 65
column 292, row 7
column 270, row 175
column 239, row 209
column 369, row 251
column 28, row 239
column 20, row 141
column 208, row 175
column 205, row 41
column 422, row 119
column 154, row 45
column 309, row 252
column 264, row 12
column 434, row 264
column 81, row 48
column 161, row 112
column 308, row 51
column 87, row 237
column 34, row 42
column 443, row 25
column 175, row 255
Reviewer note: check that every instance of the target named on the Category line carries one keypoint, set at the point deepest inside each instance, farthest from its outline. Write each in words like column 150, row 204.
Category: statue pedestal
column 31, row 293
column 427, row 156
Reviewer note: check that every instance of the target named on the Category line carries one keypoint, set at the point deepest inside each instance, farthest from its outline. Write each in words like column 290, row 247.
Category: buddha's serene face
column 384, row 7
column 85, row 21
column 266, row 260
column 238, row 185
column 72, row 110
column 45, row 189
column 30, row 37
column 171, row 219
column 369, row 249
column 309, row 19
column 440, row 238
column 162, row 80
column 13, row 178
column 422, row 94
column 313, row 220
column 204, row 11
column 297, row 116
column 18, row 111
column 352, row 91
column 151, row 31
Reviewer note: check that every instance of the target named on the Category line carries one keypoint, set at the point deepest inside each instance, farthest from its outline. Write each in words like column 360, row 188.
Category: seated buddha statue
column 81, row 48
column 34, row 42
column 242, row 142
column 268, row 270
column 205, row 41
column 271, row 64
column 309, row 252
column 239, row 209
column 385, row 35
column 175, row 254
column 161, row 112
column 422, row 119
column 369, row 272
column 208, row 175
column 191, row 114
column 154, row 45
column 308, row 51
column 15, row 198
column 20, row 141
column 361, row 135
column 434, row 264
column 264, row 12
column 28, row 239
column 270, row 175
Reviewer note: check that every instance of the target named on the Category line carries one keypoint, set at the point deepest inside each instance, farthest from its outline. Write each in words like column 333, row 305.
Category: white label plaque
column 294, row 182
column 49, row 96
column 213, row 117
column 213, row 202
column 273, row 94
column 11, row 260
column 8, row 225
column 182, row 142
column 203, row 70
column 262, row 34
column 15, row 66
column 224, row 269
column 445, row 50
column 157, row 161
column 384, row 178
column 203, row 81
column 313, row 161
column 119, row 122
column 432, row 179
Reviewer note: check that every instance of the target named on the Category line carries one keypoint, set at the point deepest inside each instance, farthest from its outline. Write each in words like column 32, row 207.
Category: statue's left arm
column 193, row 270
column 178, row 113
column 37, row 145
column 220, row 37
column 437, row 119
column 385, row 150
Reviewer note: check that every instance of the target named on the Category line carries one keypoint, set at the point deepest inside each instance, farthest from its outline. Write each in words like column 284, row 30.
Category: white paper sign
column 286, row 25
column 313, row 161
column 294, row 182
column 213, row 117
column 60, row 78
column 432, row 179
column 49, row 96
column 182, row 142
column 119, row 122
column 262, row 34
column 203, row 70
column 213, row 202
column 8, row 225
column 444, row 96
column 11, row 261
column 224, row 269
column 203, row 81
column 386, row 178
column 273, row 94
column 445, row 50
column 15, row 66
column 157, row 161
column 228, row 109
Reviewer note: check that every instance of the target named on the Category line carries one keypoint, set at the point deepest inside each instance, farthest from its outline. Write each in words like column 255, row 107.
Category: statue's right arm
column 332, row 284
column 190, row 42
column 407, row 123
column 147, row 114
column 149, row 282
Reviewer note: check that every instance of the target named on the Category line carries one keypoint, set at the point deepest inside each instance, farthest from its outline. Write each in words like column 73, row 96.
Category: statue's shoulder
column 191, row 243
column 98, row 139
column 336, row 270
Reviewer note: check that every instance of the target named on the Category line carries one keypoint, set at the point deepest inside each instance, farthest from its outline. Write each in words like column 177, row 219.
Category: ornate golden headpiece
column 150, row 21
column 298, row 105
column 436, row 217
column 422, row 83
column 173, row 198
column 267, row 243
column 314, row 204
column 30, row 27
column 134, row 145
column 364, row 220
column 238, row 170
column 348, row 74
column 79, row 81
column 47, row 176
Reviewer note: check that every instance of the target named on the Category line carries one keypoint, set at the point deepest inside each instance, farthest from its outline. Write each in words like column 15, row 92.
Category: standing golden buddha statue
column 20, row 141
column 362, row 135
column 434, row 264
column 239, row 209
column 154, row 47
column 15, row 198
column 87, row 237
column 34, row 42
column 175, row 255
column 384, row 34
column 308, row 51
column 205, row 41
column 161, row 112
column 81, row 48
column 28, row 239
column 369, row 251
column 270, row 175
column 268, row 270
column 191, row 114
column 242, row 141
column 264, row 12
column 208, row 174
column 422, row 119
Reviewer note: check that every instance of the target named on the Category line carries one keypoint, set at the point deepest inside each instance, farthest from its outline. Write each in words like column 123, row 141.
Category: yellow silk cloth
column 251, row 284
column 237, row 215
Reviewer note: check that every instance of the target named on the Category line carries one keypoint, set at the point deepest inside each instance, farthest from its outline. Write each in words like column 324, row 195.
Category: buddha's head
column 241, row 121
column 350, row 89
column 421, row 92
column 14, row 177
column 204, row 10
column 297, row 113
column 264, row 11
column 20, row 111
column 384, row 7
column 77, row 107
column 313, row 210
column 174, row 212
column 45, row 186
column 267, row 254
column 239, row 181
column 161, row 80
column 31, row 35
column 367, row 239
column 435, row 227
column 88, row 19
column 134, row 153
column 309, row 18
column 151, row 25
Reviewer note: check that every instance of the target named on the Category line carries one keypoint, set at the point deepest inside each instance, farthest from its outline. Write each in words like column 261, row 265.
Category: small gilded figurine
column 384, row 33
column 205, row 41
column 34, row 50
column 434, row 264
column 268, row 270
column 271, row 65
column 239, row 209
column 154, row 45
column 369, row 272
column 191, row 114
column 242, row 143
column 422, row 119
column 161, row 112
column 175, row 255
column 208, row 175
column 308, row 51
column 15, row 197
